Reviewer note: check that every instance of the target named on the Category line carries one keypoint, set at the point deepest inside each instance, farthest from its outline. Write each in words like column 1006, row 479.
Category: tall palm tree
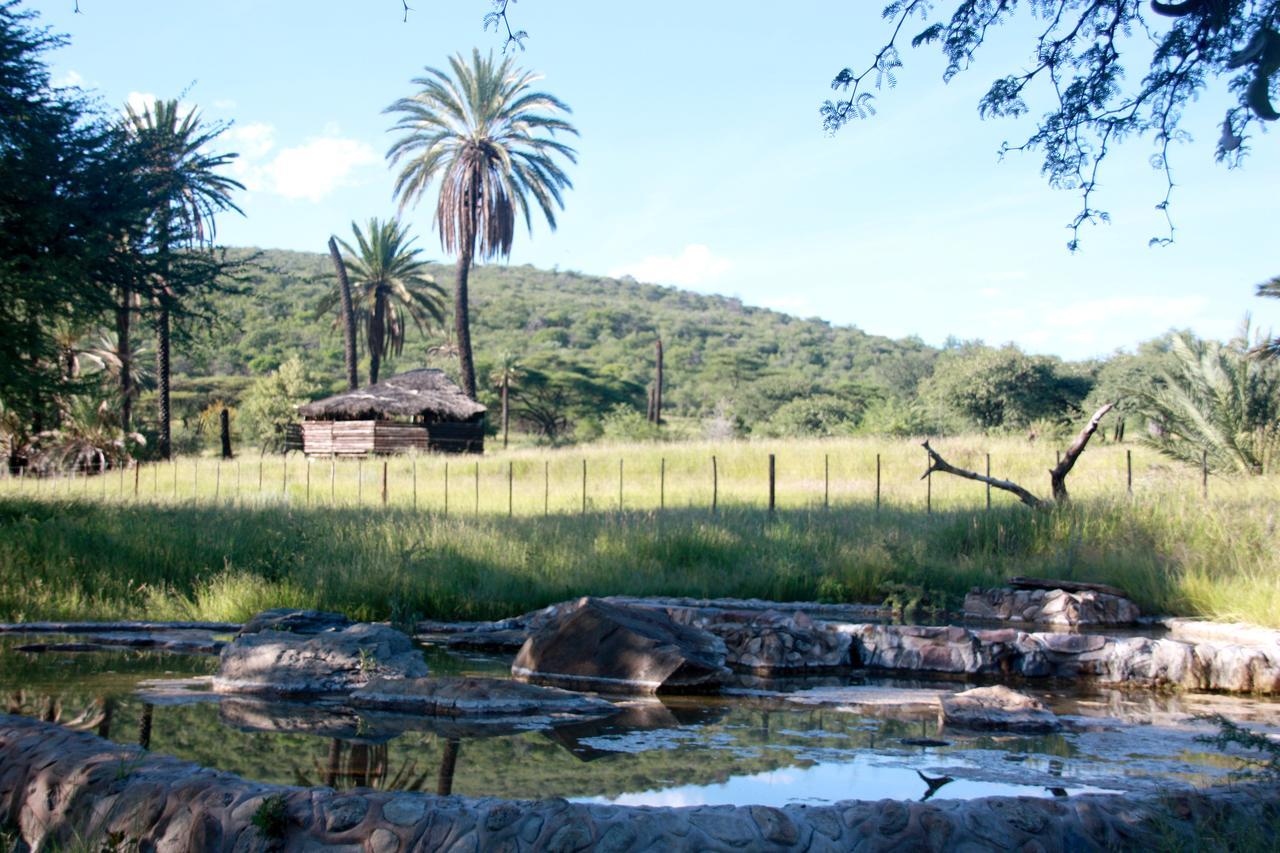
column 490, row 139
column 504, row 375
column 389, row 285
column 189, row 191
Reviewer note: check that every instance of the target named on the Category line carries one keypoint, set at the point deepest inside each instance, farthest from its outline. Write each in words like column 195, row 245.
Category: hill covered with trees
column 585, row 350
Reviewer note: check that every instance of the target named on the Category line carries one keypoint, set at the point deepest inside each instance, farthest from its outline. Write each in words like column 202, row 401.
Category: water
column 756, row 745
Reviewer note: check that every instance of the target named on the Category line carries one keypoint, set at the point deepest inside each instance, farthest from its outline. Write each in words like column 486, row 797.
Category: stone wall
column 62, row 789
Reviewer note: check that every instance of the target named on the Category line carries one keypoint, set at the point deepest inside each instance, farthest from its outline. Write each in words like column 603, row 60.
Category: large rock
column 596, row 645
column 468, row 696
column 772, row 642
column 338, row 661
column 996, row 708
column 295, row 621
column 1058, row 607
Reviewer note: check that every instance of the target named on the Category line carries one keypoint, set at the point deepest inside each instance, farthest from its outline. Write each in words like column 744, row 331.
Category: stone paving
column 60, row 788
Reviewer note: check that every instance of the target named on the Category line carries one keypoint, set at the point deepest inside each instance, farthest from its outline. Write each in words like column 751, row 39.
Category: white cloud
column 224, row 104
column 989, row 292
column 695, row 265
column 140, row 101
column 71, row 78
column 1182, row 311
column 315, row 169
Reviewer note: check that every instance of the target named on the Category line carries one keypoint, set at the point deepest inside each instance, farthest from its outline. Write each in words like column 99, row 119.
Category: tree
column 190, row 191
column 1078, row 57
column 505, row 375
column 390, row 285
column 1269, row 348
column 1001, row 388
column 1216, row 400
column 271, row 403
column 489, row 138
column 346, row 315
column 68, row 199
column 554, row 393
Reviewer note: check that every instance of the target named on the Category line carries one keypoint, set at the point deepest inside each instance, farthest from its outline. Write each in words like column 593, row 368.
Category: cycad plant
column 1217, row 401
column 489, row 138
column 389, row 287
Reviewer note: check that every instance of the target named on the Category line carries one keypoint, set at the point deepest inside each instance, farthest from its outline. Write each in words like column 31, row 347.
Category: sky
column 703, row 163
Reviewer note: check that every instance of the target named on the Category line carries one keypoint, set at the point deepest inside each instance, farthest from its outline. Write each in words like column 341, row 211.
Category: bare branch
column 1058, row 474
column 937, row 463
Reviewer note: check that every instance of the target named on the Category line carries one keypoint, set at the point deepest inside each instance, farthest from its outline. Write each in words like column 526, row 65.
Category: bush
column 271, row 403
column 821, row 415
column 623, row 423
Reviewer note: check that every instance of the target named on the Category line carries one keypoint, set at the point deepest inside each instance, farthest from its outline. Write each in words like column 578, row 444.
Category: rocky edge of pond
column 59, row 787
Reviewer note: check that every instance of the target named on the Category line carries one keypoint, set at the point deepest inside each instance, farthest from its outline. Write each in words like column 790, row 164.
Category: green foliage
column 555, row 392
column 1216, row 398
column 904, row 419
column 272, row 403
column 1004, row 388
column 819, row 415
column 271, row 817
column 1261, row 758
column 625, row 423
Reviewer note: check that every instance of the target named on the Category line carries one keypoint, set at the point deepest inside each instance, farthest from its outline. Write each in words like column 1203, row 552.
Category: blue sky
column 703, row 162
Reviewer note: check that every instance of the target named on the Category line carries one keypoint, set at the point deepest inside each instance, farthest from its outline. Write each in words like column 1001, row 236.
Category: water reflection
column 757, row 748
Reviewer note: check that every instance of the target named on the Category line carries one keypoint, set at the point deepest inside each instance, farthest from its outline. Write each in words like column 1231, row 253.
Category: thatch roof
column 426, row 391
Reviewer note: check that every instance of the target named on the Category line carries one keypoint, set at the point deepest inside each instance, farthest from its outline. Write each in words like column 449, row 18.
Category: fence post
column 284, row 476
column 121, row 478
column 584, row 486
column 988, row 484
column 772, row 482
column 333, row 478
column 260, row 456
column 877, row 484
column 511, row 478
column 715, row 484
column 662, row 483
column 1204, row 474
column 1128, row 462
column 384, row 482
column 308, row 460
column 136, row 473
column 826, row 481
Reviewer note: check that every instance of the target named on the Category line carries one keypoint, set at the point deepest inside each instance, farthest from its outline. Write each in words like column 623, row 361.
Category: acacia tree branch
column 1058, row 474
column 937, row 463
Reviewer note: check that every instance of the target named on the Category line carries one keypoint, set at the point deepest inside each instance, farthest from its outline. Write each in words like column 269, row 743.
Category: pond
column 761, row 742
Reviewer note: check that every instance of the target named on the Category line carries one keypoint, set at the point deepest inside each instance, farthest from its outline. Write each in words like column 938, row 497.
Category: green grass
column 69, row 551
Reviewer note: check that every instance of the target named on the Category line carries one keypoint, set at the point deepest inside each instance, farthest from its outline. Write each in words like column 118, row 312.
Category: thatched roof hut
column 418, row 409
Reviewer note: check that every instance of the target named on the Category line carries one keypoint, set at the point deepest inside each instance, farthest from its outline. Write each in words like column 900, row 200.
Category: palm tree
column 490, row 139
column 189, row 192
column 506, row 374
column 346, row 315
column 389, row 283
column 1218, row 401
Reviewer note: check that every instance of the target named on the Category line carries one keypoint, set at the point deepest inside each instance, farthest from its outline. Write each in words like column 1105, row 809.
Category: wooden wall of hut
column 361, row 438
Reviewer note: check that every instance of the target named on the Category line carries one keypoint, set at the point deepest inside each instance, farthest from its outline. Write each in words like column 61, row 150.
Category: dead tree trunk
column 224, row 427
column 348, row 316
column 1057, row 474
column 657, row 388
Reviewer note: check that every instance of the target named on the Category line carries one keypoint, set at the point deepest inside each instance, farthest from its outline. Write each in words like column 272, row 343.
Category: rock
column 603, row 646
column 460, row 697
column 1062, row 607
column 776, row 642
column 1021, row 582
column 338, row 661
column 295, row 621
column 997, row 708
column 882, row 701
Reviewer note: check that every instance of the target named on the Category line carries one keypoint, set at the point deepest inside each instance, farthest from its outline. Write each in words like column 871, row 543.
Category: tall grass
column 77, row 555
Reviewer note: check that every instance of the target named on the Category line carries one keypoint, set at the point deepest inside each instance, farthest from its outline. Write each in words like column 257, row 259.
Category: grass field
column 224, row 548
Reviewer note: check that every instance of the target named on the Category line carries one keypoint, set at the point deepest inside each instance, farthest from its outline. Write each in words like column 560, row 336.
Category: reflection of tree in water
column 359, row 764
column 95, row 716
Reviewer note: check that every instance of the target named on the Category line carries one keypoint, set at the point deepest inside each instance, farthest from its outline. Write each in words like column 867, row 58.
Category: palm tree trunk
column 348, row 316
column 162, row 370
column 462, row 320
column 506, row 412
column 377, row 335
column 125, row 354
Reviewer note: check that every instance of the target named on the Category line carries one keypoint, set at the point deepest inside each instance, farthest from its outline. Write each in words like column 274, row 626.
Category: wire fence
column 648, row 478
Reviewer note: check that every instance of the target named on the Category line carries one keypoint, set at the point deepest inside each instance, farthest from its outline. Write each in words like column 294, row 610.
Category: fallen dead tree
column 1057, row 474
